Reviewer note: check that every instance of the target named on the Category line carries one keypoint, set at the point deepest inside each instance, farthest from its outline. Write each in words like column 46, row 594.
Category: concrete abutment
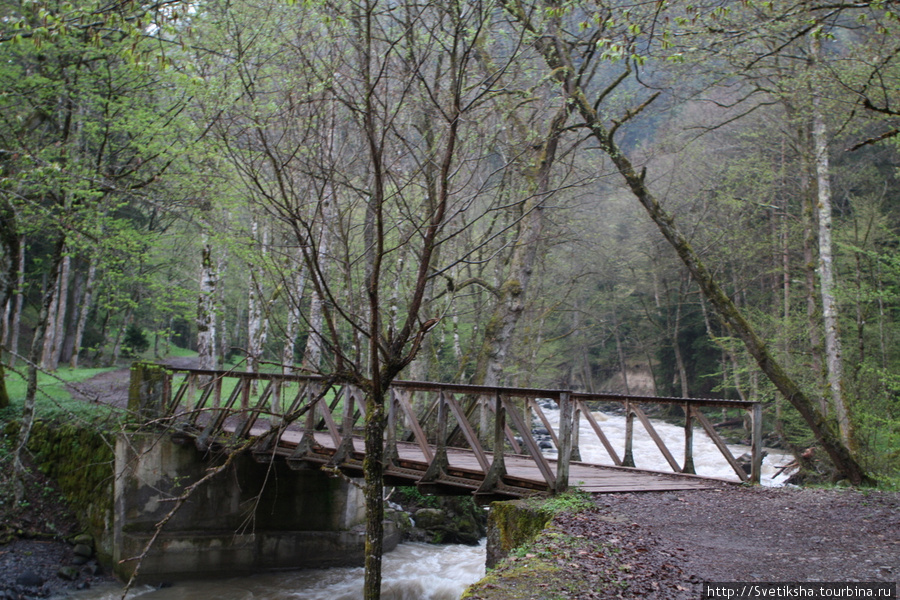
column 252, row 517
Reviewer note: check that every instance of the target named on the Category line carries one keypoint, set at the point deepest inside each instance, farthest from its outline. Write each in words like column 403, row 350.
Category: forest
column 694, row 199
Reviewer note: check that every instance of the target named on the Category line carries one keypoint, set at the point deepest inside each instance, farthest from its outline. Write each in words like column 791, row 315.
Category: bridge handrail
column 494, row 398
column 465, row 388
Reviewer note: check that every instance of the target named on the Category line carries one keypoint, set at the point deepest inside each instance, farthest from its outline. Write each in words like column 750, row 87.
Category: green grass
column 53, row 400
column 572, row 501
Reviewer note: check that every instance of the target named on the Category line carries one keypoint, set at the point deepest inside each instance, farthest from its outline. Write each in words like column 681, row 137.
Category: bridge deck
column 465, row 472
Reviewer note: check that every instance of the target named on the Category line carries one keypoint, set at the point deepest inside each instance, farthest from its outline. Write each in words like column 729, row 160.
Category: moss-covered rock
column 512, row 524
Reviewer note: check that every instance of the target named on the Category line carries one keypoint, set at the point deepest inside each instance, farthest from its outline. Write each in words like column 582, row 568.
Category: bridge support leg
column 493, row 479
column 688, row 441
column 628, row 459
column 756, row 443
column 430, row 481
column 565, row 443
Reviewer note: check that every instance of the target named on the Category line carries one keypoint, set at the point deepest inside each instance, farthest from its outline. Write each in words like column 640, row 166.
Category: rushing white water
column 708, row 460
column 411, row 572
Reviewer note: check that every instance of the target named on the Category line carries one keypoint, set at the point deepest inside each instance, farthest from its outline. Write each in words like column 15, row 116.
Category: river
column 412, row 571
column 708, row 460
column 425, row 572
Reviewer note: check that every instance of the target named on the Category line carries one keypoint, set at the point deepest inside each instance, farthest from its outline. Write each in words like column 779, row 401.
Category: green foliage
column 572, row 501
column 411, row 496
column 135, row 341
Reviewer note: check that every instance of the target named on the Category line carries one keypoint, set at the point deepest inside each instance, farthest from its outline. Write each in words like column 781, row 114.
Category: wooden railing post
column 628, row 460
column 565, row 443
column 688, row 441
column 756, row 443
column 576, row 431
column 391, row 455
column 149, row 392
column 494, row 477
column 439, row 466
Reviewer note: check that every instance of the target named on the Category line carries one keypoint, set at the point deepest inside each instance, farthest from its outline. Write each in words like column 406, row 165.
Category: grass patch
column 53, row 400
column 572, row 501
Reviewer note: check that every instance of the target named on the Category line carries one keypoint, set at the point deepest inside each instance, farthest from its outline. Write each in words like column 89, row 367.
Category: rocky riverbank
column 42, row 551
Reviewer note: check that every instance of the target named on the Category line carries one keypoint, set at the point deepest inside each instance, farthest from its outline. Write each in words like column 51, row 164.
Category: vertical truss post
column 391, row 455
column 576, row 431
column 494, row 476
column 756, row 443
column 628, row 460
column 566, row 414
column 688, row 441
column 440, row 464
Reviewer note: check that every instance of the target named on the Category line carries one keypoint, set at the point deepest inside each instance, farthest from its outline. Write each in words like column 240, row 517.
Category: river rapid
column 413, row 571
column 708, row 460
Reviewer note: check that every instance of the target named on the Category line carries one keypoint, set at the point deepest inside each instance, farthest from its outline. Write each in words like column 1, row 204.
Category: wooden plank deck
column 466, row 473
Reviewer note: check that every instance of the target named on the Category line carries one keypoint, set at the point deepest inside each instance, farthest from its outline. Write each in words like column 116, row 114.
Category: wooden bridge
column 444, row 438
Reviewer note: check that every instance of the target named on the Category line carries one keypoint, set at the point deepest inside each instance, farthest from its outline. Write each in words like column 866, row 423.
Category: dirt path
column 666, row 545
column 765, row 534
column 112, row 387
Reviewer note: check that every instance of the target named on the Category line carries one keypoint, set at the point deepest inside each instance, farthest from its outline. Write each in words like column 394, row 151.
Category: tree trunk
column 37, row 344
column 676, row 347
column 511, row 295
column 206, row 315
column 292, row 327
column 620, row 353
column 83, row 313
column 312, row 354
column 221, row 329
column 257, row 317
column 16, row 319
column 46, row 361
column 59, row 335
column 120, row 335
column 833, row 352
column 812, row 306
column 548, row 44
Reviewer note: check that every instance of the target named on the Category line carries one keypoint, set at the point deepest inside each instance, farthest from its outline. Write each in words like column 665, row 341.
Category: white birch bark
column 292, row 327
column 59, row 335
column 312, row 355
column 47, row 353
column 206, row 315
column 833, row 351
column 83, row 313
column 221, row 323
column 257, row 320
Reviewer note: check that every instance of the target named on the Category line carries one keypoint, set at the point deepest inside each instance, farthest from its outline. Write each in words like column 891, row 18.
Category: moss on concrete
column 512, row 524
column 80, row 459
column 526, row 550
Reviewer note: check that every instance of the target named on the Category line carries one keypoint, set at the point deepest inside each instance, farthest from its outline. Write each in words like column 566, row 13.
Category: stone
column 83, row 550
column 83, row 538
column 30, row 579
column 430, row 518
column 80, row 560
column 69, row 573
